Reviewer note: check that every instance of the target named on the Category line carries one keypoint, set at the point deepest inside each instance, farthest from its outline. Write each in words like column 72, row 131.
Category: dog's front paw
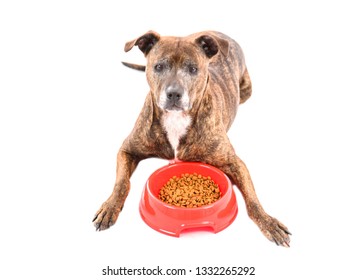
column 274, row 230
column 106, row 216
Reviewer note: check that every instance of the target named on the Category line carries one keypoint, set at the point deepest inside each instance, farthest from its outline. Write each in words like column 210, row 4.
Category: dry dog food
column 190, row 190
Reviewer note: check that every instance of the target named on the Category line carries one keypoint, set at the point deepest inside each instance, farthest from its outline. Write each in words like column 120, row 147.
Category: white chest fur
column 176, row 124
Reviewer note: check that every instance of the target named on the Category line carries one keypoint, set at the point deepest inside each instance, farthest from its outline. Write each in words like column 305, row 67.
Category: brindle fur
column 215, row 92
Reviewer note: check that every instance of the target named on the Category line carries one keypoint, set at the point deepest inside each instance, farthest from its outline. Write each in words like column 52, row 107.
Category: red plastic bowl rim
column 228, row 188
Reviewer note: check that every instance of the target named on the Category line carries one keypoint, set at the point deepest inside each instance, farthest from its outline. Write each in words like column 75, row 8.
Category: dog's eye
column 159, row 67
column 192, row 70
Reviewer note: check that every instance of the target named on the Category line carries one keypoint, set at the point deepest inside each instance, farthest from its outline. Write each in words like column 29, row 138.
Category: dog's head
column 177, row 68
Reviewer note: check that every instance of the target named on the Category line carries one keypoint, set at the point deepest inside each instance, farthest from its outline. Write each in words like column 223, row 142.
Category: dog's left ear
column 144, row 42
column 212, row 44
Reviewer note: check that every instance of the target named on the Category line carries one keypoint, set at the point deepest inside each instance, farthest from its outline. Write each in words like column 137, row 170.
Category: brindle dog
column 196, row 84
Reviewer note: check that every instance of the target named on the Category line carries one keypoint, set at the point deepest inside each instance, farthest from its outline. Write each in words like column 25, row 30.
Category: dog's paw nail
column 275, row 241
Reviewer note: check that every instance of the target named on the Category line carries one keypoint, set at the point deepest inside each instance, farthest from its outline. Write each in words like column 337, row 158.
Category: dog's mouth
column 174, row 107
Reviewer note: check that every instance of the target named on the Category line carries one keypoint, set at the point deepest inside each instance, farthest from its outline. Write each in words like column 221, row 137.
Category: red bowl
column 172, row 220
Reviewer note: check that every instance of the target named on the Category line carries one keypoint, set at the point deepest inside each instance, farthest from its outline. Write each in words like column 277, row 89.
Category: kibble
column 190, row 190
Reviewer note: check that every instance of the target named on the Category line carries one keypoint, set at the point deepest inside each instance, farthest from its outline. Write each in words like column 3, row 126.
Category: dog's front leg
column 109, row 211
column 273, row 229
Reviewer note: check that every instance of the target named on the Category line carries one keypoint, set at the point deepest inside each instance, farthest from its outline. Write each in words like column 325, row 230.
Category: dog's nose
column 174, row 96
column 174, row 93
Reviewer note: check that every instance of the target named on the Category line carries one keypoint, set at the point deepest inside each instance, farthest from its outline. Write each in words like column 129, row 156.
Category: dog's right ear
column 144, row 43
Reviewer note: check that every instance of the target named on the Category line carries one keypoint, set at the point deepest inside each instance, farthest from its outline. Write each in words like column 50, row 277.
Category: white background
column 67, row 103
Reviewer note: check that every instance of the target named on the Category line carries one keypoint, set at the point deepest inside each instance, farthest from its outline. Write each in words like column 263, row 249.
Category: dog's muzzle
column 174, row 98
